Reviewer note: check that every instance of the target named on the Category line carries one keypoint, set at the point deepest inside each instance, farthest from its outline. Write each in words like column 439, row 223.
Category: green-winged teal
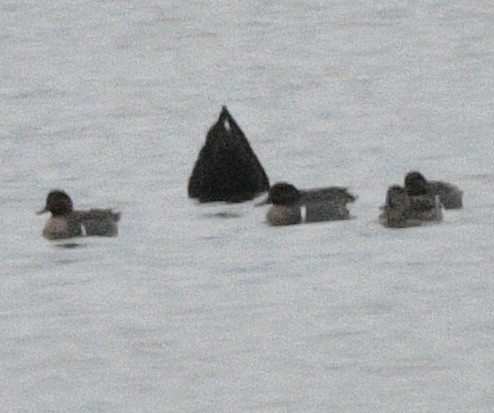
column 321, row 204
column 67, row 223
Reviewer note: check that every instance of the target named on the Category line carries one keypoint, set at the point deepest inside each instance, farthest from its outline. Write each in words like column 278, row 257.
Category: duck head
column 282, row 193
column 416, row 184
column 58, row 203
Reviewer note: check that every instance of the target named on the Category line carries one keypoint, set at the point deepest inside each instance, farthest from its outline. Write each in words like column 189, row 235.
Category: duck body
column 66, row 223
column 403, row 210
column 326, row 204
column 321, row 204
column 284, row 215
column 98, row 222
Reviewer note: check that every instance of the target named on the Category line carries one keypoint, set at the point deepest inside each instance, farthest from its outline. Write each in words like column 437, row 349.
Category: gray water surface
column 189, row 311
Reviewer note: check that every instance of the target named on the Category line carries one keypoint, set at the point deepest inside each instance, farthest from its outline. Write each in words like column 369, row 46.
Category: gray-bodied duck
column 403, row 209
column 67, row 223
column 321, row 204
column 450, row 195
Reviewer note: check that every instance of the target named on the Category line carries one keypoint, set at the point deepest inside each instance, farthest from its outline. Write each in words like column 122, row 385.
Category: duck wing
column 450, row 195
column 333, row 194
column 101, row 222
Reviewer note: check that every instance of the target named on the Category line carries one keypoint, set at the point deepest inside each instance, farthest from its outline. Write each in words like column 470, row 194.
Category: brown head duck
column 321, row 204
column 450, row 195
column 65, row 222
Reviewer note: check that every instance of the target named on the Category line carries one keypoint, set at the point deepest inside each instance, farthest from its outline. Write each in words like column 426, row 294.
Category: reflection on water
column 69, row 245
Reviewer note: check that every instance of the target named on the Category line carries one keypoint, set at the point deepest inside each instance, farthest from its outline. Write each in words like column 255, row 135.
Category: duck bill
column 42, row 211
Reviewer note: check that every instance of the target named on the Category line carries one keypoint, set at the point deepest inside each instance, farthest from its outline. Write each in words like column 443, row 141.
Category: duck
column 226, row 169
column 450, row 196
column 402, row 209
column 65, row 222
column 321, row 204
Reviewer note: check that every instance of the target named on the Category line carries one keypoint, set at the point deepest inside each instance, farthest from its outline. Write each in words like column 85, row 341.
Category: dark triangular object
column 227, row 168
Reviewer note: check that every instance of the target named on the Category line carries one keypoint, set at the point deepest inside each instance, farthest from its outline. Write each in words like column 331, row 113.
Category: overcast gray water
column 189, row 311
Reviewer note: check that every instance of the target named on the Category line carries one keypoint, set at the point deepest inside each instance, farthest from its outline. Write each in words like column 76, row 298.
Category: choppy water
column 189, row 312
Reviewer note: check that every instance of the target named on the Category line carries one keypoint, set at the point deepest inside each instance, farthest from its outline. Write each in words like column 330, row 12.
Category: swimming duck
column 321, row 204
column 67, row 223
column 403, row 209
column 227, row 168
column 449, row 194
